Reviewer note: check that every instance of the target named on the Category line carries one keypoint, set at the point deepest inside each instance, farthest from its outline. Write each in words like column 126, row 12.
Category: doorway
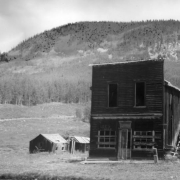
column 124, row 142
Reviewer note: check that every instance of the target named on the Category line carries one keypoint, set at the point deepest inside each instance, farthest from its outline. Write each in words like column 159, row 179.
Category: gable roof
column 83, row 140
column 55, row 138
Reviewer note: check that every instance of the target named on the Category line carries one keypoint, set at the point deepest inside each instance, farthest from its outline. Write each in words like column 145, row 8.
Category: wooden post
column 71, row 146
column 155, row 155
column 67, row 146
column 84, row 148
column 74, row 146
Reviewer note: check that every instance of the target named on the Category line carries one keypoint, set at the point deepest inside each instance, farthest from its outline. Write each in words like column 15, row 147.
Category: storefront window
column 144, row 139
column 106, row 139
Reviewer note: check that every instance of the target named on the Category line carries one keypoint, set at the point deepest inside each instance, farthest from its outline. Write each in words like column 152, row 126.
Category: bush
column 83, row 115
column 86, row 114
column 78, row 114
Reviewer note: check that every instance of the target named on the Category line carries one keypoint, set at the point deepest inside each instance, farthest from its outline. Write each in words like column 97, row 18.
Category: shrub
column 86, row 114
column 78, row 113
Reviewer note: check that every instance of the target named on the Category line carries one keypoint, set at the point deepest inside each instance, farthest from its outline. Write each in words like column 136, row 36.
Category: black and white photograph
column 89, row 89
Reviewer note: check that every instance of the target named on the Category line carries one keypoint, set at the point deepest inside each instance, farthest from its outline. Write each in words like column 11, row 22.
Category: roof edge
column 127, row 62
column 170, row 85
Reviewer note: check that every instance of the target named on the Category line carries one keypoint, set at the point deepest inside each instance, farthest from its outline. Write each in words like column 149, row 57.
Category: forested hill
column 53, row 65
column 133, row 40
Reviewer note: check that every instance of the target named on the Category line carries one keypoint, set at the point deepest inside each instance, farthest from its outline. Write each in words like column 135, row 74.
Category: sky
column 21, row 19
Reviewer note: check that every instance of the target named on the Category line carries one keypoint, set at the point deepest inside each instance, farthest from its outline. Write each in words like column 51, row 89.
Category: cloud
column 22, row 19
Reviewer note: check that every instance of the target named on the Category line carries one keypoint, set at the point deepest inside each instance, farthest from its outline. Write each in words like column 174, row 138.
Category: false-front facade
column 133, row 110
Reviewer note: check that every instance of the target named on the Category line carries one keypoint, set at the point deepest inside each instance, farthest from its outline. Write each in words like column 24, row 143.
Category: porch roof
column 82, row 140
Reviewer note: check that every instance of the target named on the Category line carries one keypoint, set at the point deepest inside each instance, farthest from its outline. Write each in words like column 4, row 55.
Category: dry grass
column 40, row 111
column 16, row 162
column 20, row 163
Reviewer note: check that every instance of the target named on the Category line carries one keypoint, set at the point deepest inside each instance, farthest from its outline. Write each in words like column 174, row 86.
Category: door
column 124, row 144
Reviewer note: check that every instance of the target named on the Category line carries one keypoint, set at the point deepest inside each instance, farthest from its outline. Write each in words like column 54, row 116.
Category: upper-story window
column 140, row 94
column 112, row 96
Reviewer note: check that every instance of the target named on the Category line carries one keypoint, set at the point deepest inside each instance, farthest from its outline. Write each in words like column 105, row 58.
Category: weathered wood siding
column 172, row 115
column 137, row 125
column 125, row 75
column 95, row 127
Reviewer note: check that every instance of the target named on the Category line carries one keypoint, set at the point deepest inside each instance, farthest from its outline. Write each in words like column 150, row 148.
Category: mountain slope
column 128, row 40
column 59, row 58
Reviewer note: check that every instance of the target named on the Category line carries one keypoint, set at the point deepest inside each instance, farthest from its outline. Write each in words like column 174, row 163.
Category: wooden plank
column 136, row 136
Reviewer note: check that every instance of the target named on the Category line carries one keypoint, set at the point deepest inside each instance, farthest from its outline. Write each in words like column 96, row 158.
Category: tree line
column 29, row 90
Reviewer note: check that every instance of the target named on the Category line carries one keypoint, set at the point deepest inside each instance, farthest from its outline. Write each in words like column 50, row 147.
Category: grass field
column 8, row 111
column 15, row 159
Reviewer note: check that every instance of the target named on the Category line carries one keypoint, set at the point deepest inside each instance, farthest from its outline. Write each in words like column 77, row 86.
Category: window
column 145, row 139
column 112, row 99
column 106, row 139
column 140, row 94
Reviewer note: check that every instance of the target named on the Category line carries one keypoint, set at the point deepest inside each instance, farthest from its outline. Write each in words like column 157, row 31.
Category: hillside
column 53, row 65
column 134, row 40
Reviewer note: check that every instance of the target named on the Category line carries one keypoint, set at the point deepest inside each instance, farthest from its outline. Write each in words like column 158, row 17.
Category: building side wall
column 42, row 142
column 172, row 116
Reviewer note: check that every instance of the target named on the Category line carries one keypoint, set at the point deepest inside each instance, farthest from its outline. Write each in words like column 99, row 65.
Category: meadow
column 17, row 163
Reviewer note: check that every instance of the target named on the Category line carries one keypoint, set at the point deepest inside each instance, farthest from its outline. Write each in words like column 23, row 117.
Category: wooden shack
column 47, row 143
column 77, row 143
column 133, row 110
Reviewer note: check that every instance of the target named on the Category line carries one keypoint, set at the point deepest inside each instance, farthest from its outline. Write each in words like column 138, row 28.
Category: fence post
column 155, row 155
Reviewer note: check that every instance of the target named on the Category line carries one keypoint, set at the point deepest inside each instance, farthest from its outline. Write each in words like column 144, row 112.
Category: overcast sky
column 21, row 19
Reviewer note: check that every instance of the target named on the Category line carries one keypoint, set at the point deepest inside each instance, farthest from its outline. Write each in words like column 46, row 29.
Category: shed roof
column 167, row 83
column 83, row 140
column 55, row 138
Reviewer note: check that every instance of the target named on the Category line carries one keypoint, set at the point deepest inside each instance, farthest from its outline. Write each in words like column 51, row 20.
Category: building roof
column 167, row 83
column 126, row 62
column 55, row 138
column 83, row 140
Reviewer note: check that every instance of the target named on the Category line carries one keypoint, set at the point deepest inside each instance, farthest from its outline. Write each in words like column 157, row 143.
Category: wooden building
column 133, row 110
column 47, row 143
column 77, row 143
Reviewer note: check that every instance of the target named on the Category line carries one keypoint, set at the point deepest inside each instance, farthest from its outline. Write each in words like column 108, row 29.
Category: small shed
column 47, row 143
column 77, row 143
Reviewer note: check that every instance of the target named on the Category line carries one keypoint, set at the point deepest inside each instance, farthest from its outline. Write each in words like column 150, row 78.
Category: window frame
column 110, row 143
column 135, row 99
column 110, row 83
column 143, row 137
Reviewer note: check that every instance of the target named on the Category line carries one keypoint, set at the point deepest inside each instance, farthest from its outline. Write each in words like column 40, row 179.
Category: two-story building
column 133, row 110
